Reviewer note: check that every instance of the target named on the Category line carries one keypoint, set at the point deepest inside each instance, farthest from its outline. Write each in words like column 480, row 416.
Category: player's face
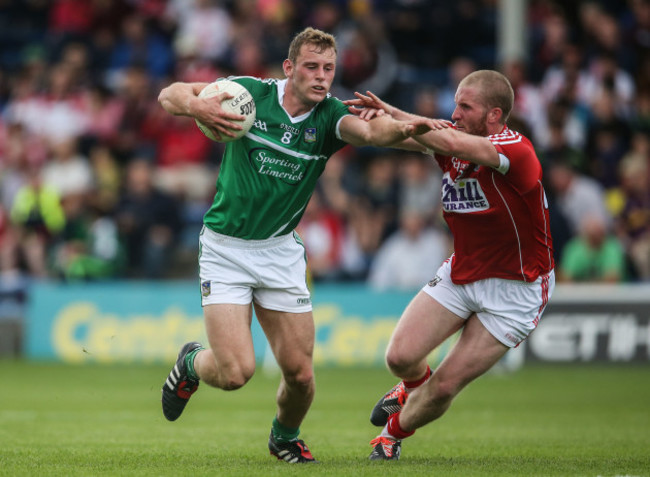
column 470, row 114
column 312, row 74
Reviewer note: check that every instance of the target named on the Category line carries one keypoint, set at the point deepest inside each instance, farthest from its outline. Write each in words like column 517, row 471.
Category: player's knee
column 233, row 379
column 230, row 378
column 302, row 378
column 443, row 390
column 397, row 362
column 233, row 382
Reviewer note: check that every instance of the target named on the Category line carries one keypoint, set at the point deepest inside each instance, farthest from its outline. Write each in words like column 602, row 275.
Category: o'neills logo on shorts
column 286, row 169
column 464, row 196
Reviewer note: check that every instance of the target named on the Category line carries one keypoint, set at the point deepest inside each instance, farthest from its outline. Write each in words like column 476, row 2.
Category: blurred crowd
column 97, row 182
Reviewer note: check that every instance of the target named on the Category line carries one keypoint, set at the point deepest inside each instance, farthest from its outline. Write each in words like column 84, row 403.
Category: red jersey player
column 506, row 204
column 498, row 281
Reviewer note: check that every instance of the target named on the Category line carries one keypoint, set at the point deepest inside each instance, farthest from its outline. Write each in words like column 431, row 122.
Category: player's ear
column 495, row 115
column 287, row 66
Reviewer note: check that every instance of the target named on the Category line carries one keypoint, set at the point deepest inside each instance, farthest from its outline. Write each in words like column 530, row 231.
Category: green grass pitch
column 106, row 420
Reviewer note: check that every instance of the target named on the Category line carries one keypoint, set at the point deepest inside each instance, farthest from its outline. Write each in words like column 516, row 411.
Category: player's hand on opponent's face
column 212, row 115
column 367, row 106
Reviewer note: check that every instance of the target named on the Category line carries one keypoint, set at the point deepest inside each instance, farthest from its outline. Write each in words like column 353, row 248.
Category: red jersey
column 498, row 216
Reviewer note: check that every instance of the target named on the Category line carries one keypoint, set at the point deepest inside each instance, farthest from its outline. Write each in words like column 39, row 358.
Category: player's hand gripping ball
column 242, row 102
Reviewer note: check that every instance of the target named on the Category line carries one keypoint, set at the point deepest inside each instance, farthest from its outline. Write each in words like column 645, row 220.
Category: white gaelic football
column 242, row 102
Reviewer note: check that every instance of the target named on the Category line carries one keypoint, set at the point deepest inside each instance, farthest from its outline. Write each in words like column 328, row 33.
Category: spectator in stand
column 192, row 68
column 601, row 33
column 322, row 231
column 248, row 58
column 104, row 113
column 576, row 195
column 556, row 138
column 204, row 24
column 561, row 229
column 417, row 23
column 67, row 170
column 108, row 17
column 608, row 139
column 13, row 280
column 55, row 113
column 19, row 152
column 568, row 78
column 69, row 20
column 410, row 256
column 140, row 46
column 563, row 91
column 89, row 247
column 181, row 156
column 528, row 99
column 551, row 33
column 339, row 185
column 138, row 97
column 595, row 255
column 636, row 29
column 148, row 221
column 333, row 186
column 69, row 173
column 607, row 77
column 458, row 69
column 420, row 182
column 76, row 57
column 8, row 244
column 633, row 222
column 568, row 119
column 326, row 15
column 366, row 59
column 106, row 178
column 38, row 217
column 373, row 211
column 109, row 14
column 640, row 119
column 426, row 103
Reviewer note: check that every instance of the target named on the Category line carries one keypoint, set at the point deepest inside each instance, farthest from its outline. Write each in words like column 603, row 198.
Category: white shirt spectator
column 410, row 257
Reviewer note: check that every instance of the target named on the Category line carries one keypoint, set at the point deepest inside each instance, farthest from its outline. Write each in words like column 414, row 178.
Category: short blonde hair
column 321, row 40
column 495, row 88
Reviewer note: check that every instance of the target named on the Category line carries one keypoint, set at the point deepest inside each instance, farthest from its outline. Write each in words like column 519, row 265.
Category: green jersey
column 267, row 177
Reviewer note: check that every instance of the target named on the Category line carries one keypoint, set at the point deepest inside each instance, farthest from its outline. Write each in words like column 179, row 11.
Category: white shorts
column 509, row 309
column 270, row 272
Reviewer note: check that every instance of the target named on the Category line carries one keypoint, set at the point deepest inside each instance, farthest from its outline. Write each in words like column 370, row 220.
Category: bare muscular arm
column 434, row 134
column 181, row 99
column 381, row 131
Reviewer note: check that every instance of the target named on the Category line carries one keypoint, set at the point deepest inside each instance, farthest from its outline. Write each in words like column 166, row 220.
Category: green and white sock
column 282, row 433
column 189, row 363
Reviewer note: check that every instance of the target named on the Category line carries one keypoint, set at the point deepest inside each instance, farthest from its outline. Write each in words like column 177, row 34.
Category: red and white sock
column 393, row 429
column 411, row 385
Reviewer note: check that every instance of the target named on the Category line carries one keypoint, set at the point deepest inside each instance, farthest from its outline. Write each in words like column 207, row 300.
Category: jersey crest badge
column 310, row 135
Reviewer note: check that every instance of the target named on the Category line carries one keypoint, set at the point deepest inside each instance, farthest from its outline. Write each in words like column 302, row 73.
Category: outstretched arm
column 451, row 142
column 369, row 105
column 381, row 131
column 182, row 99
column 435, row 135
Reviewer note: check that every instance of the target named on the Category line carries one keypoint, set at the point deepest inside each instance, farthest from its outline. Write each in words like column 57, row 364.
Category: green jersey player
column 249, row 254
column 268, row 176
